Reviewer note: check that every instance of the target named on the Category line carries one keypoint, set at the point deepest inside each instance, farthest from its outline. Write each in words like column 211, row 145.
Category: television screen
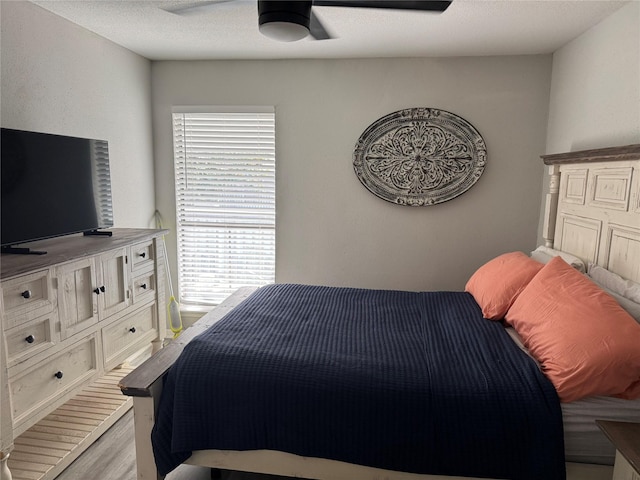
column 52, row 185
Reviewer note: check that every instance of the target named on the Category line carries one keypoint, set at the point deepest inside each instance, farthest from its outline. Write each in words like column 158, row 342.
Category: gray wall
column 330, row 229
column 60, row 78
column 595, row 88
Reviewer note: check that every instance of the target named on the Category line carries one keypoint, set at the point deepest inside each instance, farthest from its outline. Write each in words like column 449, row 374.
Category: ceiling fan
column 288, row 21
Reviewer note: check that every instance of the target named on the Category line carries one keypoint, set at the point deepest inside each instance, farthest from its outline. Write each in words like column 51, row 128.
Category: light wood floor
column 113, row 457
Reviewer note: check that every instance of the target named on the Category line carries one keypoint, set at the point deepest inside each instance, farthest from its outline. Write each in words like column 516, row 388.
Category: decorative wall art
column 419, row 156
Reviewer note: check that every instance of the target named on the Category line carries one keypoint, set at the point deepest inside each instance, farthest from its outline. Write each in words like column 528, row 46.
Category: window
column 225, row 202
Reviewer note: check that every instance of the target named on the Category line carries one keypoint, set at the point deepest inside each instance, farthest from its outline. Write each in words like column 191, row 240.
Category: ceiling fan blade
column 425, row 5
column 316, row 29
column 196, row 8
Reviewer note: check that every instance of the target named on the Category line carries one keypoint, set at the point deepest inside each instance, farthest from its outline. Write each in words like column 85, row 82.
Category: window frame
column 188, row 297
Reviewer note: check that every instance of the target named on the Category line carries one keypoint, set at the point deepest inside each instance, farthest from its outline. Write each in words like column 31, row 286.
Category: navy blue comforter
column 415, row 382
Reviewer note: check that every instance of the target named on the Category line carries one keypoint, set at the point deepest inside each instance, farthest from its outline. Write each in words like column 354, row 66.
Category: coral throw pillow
column 584, row 341
column 497, row 283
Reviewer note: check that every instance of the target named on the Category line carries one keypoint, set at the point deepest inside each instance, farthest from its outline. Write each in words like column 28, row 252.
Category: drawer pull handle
column 58, row 374
column 30, row 339
column 143, row 286
column 96, row 291
column 26, row 294
column 143, row 254
column 132, row 329
column 102, row 288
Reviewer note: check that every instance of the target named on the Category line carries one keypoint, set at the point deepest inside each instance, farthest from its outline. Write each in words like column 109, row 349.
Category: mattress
column 584, row 442
column 406, row 381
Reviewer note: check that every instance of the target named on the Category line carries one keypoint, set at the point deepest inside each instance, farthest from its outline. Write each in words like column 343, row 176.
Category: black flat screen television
column 52, row 185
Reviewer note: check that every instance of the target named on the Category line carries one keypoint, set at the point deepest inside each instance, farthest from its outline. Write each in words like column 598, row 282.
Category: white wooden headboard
column 593, row 207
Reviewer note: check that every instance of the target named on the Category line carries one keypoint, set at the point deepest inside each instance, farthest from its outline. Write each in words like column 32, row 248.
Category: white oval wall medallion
column 419, row 156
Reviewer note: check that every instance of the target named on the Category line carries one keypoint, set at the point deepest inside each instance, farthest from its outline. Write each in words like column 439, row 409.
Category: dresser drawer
column 121, row 338
column 26, row 298
column 33, row 337
column 143, row 256
column 52, row 378
column 144, row 287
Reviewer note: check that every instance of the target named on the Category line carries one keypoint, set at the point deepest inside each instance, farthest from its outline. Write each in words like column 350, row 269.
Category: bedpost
column 145, row 383
column 551, row 206
column 144, row 417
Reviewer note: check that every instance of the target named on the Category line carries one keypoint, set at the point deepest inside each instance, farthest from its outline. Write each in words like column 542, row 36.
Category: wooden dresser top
column 71, row 247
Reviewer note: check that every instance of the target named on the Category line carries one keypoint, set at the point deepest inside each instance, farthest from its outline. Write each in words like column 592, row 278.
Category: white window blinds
column 225, row 203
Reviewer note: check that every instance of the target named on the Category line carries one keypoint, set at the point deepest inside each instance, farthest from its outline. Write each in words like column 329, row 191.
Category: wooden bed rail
column 139, row 382
column 145, row 383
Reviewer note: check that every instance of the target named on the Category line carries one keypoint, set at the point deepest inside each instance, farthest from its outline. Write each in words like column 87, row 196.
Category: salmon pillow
column 584, row 341
column 497, row 283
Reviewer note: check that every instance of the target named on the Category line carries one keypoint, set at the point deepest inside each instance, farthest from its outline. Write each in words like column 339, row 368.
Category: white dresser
column 70, row 316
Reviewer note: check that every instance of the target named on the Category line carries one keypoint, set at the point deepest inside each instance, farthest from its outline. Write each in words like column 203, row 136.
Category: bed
column 592, row 213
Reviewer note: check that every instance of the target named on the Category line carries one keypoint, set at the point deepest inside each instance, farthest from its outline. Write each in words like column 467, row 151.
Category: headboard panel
column 593, row 207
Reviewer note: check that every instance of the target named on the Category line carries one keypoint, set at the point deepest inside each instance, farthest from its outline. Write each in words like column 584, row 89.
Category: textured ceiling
column 229, row 29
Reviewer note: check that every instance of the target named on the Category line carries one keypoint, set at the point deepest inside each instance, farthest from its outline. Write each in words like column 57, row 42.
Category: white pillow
column 544, row 254
column 630, row 306
column 614, row 282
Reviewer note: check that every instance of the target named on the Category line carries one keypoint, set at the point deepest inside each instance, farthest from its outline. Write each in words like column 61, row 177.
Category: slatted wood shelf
column 47, row 448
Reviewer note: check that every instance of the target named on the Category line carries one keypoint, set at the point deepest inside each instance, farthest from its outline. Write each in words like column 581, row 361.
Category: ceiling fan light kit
column 284, row 31
column 284, row 21
column 291, row 20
